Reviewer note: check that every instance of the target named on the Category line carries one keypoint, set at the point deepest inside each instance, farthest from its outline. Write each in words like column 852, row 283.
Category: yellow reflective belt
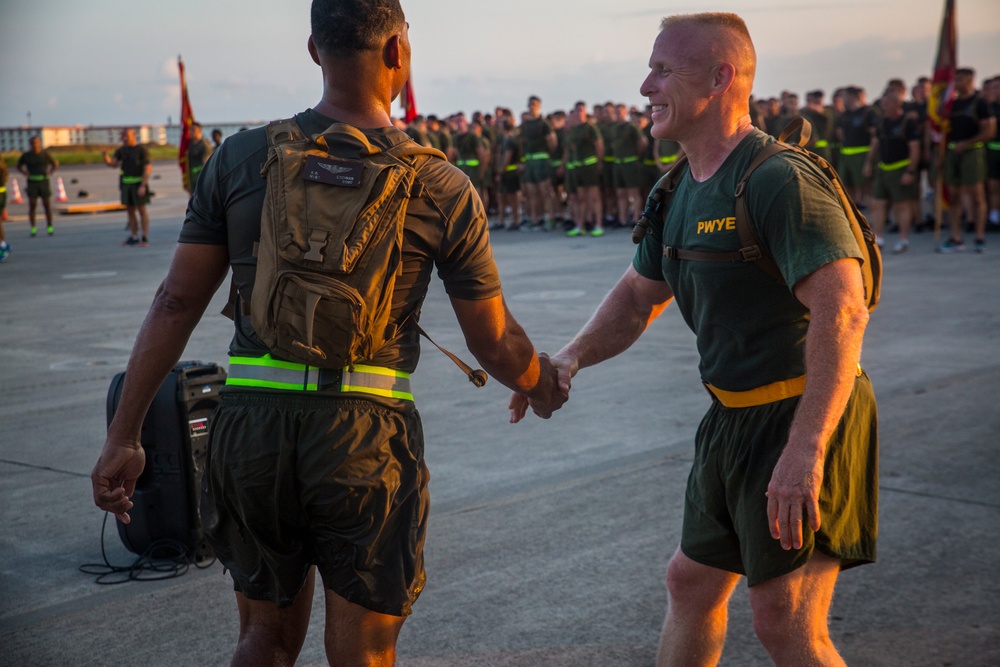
column 572, row 165
column 609, row 158
column 510, row 167
column 769, row 393
column 894, row 166
column 822, row 143
column 627, row 160
column 3, row 188
column 993, row 145
column 668, row 159
column 128, row 180
column 587, row 161
column 38, row 177
column 650, row 163
column 978, row 144
column 537, row 156
column 269, row 373
column 468, row 163
column 854, row 150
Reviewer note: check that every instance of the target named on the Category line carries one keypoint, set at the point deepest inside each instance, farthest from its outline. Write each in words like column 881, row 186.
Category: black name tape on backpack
column 333, row 172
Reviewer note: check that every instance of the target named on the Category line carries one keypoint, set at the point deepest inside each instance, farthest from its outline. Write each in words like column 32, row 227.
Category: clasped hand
column 551, row 392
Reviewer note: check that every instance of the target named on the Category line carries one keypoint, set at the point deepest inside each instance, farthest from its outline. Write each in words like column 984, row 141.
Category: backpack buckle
column 750, row 253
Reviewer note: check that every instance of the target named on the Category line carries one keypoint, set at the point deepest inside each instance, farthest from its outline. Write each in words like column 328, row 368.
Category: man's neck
column 707, row 152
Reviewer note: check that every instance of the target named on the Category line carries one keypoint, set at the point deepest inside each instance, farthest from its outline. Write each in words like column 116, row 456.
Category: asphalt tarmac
column 548, row 540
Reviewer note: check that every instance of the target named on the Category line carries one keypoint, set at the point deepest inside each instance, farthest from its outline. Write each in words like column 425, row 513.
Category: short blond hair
column 741, row 51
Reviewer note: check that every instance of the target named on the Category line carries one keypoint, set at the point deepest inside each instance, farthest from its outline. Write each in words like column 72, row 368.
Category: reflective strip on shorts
column 894, row 166
column 627, row 160
column 587, row 161
column 510, row 167
column 268, row 373
column 854, row 150
column 978, row 144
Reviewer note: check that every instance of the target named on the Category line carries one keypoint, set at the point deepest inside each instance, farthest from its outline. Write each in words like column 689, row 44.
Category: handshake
column 549, row 393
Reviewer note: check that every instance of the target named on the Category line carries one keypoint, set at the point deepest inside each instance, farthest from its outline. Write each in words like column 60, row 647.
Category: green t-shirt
column 37, row 163
column 582, row 141
column 132, row 159
column 534, row 135
column 627, row 138
column 750, row 329
column 468, row 145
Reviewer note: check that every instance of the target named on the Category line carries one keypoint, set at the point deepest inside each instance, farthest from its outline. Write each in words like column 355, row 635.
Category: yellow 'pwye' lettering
column 717, row 225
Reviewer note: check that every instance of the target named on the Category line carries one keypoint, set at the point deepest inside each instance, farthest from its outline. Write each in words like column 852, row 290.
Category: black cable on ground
column 163, row 559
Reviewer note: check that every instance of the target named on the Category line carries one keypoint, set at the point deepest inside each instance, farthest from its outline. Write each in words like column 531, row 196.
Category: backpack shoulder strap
column 749, row 243
column 283, row 131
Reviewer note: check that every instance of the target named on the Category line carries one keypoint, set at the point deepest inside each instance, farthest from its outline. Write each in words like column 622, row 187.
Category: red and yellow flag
column 943, row 83
column 187, row 118
column 408, row 103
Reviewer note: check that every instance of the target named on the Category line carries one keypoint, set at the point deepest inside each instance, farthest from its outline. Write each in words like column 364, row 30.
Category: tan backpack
column 331, row 235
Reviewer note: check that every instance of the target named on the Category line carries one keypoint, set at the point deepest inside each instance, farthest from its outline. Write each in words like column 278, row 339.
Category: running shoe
column 900, row 247
column 144, row 242
column 576, row 231
column 4, row 251
column 597, row 232
column 50, row 230
column 130, row 241
column 33, row 231
column 951, row 245
column 980, row 245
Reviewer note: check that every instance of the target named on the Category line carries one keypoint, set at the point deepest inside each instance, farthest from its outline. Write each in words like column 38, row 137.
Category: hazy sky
column 102, row 62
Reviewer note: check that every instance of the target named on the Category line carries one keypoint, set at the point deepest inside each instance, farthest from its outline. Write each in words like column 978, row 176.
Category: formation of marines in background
column 591, row 168
column 588, row 169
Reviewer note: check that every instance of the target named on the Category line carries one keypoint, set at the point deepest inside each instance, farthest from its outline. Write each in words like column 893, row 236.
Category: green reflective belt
column 129, row 180
column 894, row 166
column 556, row 163
column 822, row 143
column 468, row 163
column 38, row 177
column 626, row 160
column 854, row 150
column 268, row 373
column 978, row 144
column 194, row 170
column 993, row 145
column 537, row 156
column 587, row 161
column 649, row 163
column 609, row 158
column 668, row 159
column 510, row 167
column 572, row 165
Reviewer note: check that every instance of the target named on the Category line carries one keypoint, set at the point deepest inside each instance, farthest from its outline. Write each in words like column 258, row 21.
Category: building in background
column 15, row 139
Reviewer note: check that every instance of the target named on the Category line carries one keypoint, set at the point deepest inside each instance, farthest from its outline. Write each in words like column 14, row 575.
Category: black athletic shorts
column 296, row 480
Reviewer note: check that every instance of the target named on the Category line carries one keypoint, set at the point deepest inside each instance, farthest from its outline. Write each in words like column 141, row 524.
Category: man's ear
column 392, row 53
column 723, row 77
column 313, row 51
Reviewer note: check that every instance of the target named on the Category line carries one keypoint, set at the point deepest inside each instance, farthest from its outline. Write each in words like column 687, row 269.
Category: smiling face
column 678, row 84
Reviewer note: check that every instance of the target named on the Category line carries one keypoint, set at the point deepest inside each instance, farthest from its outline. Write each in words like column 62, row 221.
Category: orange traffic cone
column 15, row 192
column 60, row 190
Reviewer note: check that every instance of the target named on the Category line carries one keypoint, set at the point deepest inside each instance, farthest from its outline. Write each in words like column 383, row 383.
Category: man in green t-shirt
column 584, row 162
column 538, row 142
column 136, row 170
column 37, row 165
column 199, row 150
column 783, row 488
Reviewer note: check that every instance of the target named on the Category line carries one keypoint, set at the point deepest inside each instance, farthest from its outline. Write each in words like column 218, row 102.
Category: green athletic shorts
column 608, row 173
column 628, row 174
column 587, row 176
column 296, row 480
column 850, row 170
column 510, row 182
column 130, row 194
column 889, row 186
column 39, row 189
column 536, row 171
column 966, row 168
column 725, row 509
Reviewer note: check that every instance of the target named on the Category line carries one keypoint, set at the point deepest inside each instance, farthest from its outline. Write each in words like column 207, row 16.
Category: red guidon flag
column 408, row 103
column 943, row 83
column 187, row 118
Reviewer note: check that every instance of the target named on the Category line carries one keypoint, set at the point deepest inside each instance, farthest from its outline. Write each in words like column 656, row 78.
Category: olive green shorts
column 628, row 174
column 608, row 173
column 510, row 182
column 130, row 194
column 966, row 168
column 889, row 186
column 725, row 509
column 851, row 167
column 993, row 163
column 536, row 171
column 295, row 480
column 39, row 189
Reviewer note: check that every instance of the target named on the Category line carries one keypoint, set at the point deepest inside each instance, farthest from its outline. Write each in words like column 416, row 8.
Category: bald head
column 711, row 38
